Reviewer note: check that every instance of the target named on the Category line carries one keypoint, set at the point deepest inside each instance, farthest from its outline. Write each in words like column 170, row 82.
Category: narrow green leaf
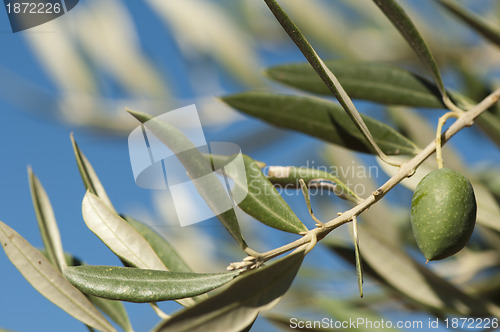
column 289, row 176
column 89, row 176
column 244, row 297
column 409, row 31
column 319, row 118
column 46, row 222
column 168, row 255
column 248, row 327
column 113, row 309
column 143, row 286
column 196, row 165
column 48, row 281
column 118, row 235
column 263, row 202
column 380, row 83
column 325, row 73
column 415, row 281
column 476, row 22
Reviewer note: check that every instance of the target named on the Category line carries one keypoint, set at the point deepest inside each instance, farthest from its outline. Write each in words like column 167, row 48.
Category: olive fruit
column 443, row 213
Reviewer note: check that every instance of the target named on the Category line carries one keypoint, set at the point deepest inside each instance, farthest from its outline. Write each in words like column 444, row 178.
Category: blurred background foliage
column 156, row 55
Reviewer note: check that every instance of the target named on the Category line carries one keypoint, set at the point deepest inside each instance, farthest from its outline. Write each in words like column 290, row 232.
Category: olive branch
column 406, row 170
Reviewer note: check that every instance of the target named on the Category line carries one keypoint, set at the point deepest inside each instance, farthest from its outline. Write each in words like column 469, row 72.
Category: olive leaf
column 483, row 27
column 380, row 83
column 416, row 282
column 408, row 30
column 46, row 222
column 263, row 202
column 244, row 297
column 48, row 281
column 141, row 285
column 89, row 176
column 289, row 176
column 113, row 309
column 326, row 75
column 196, row 165
column 165, row 251
column 490, row 124
column 319, row 118
column 118, row 235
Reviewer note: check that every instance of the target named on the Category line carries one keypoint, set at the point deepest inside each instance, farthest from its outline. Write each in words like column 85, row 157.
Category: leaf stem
column 158, row 311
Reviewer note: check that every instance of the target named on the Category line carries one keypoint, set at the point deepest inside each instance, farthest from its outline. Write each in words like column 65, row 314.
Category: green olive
column 443, row 213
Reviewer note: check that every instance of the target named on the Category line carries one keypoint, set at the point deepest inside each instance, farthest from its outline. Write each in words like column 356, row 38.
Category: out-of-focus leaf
column 248, row 327
column 346, row 311
column 112, row 43
column 115, row 310
column 46, row 222
column 48, row 281
column 490, row 124
column 476, row 22
column 345, row 250
column 89, row 176
column 491, row 179
column 375, row 82
column 263, row 202
column 317, row 20
column 203, row 27
column 325, row 73
column 405, row 26
column 362, row 178
column 474, row 85
column 488, row 210
column 286, row 323
column 140, row 285
column 244, row 298
column 289, row 176
column 118, row 235
column 168, row 255
column 319, row 118
column 196, row 165
column 415, row 281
